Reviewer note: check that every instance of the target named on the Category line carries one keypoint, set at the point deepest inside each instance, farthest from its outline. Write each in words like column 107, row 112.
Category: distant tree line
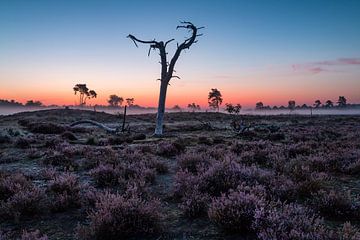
column 340, row 103
column 13, row 103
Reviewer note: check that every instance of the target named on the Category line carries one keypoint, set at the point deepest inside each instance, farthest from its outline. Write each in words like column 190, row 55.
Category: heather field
column 209, row 177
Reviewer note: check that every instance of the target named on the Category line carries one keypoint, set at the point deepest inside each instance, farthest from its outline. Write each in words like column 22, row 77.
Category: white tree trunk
column 161, row 108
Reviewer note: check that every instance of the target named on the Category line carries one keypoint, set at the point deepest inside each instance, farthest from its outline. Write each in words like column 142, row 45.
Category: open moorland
column 209, row 177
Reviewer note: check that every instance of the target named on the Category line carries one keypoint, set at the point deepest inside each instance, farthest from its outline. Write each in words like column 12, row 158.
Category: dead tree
column 167, row 69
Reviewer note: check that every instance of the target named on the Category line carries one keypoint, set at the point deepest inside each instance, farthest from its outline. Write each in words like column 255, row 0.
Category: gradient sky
column 270, row 51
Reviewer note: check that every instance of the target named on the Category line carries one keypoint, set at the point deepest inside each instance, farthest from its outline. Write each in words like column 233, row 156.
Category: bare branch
column 176, row 77
column 134, row 39
column 169, row 41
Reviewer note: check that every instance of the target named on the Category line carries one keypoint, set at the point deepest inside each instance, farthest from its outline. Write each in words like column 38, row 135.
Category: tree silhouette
column 291, row 105
column 84, row 93
column 193, row 107
column 176, row 108
column 115, row 100
column 167, row 68
column 130, row 102
column 230, row 108
column 329, row 104
column 341, row 101
column 259, row 105
column 317, row 104
column 215, row 99
column 32, row 103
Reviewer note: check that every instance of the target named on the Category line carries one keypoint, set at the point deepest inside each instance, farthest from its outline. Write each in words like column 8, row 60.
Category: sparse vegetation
column 292, row 179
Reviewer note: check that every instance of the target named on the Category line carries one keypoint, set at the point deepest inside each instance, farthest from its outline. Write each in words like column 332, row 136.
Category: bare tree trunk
column 161, row 108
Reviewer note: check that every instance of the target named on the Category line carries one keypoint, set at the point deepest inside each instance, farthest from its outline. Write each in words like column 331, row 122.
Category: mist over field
column 350, row 111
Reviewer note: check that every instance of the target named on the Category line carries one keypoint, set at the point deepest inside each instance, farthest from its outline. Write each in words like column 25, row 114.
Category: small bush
column 288, row 221
column 26, row 202
column 35, row 235
column 194, row 204
column 117, row 217
column 169, row 149
column 4, row 139
column 192, row 161
column 69, row 136
column 234, row 212
column 65, row 192
column 45, row 128
column 105, row 175
column 22, row 142
column 336, row 204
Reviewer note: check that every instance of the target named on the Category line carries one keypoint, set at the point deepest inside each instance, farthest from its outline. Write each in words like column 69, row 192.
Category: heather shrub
column 223, row 176
column 191, row 161
column 347, row 232
column 116, row 140
column 22, row 142
column 169, row 149
column 105, row 155
column 45, row 128
column 205, row 140
column 313, row 183
column 69, row 136
column 35, row 235
column 4, row 139
column 235, row 211
column 92, row 141
column 56, row 159
column 119, row 217
column 194, row 203
column 287, row 221
column 65, row 192
column 25, row 202
column 11, row 184
column 336, row 204
column 105, row 175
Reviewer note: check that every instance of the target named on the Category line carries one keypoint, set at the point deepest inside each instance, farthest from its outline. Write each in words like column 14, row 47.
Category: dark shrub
column 117, row 217
column 22, row 142
column 139, row 136
column 116, row 140
column 278, row 136
column 26, row 202
column 69, row 136
column 65, row 192
column 205, row 140
column 288, row 221
column 105, row 175
column 54, row 158
column 92, row 141
column 235, row 211
column 169, row 149
column 11, row 184
column 336, row 204
column 35, row 235
column 194, row 203
column 4, row 139
column 45, row 128
column 191, row 161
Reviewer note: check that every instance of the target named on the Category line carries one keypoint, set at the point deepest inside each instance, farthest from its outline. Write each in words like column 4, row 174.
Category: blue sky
column 247, row 45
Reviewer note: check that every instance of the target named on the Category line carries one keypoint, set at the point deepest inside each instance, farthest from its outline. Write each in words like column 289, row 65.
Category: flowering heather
column 235, row 211
column 194, row 203
column 287, row 221
column 117, row 217
column 105, row 175
column 191, row 161
column 169, row 149
column 336, row 204
column 35, row 235
column 65, row 192
column 26, row 202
